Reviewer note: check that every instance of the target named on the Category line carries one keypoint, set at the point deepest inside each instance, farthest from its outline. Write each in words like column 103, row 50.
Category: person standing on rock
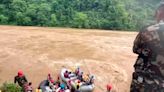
column 20, row 78
column 149, row 67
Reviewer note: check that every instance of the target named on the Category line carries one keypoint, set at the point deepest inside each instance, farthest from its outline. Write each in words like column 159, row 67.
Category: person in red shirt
column 66, row 74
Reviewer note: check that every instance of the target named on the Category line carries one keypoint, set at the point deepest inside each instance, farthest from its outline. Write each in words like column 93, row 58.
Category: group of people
column 22, row 82
column 50, row 85
column 55, row 85
column 78, row 78
column 87, row 79
column 148, row 75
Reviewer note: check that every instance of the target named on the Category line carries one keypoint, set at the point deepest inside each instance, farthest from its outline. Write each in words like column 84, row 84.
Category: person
column 77, row 71
column 51, row 81
column 43, row 84
column 28, row 87
column 86, row 78
column 51, row 84
column 20, row 79
column 49, row 77
column 66, row 74
column 109, row 88
column 57, row 83
column 149, row 67
column 80, row 76
column 61, row 88
column 91, row 79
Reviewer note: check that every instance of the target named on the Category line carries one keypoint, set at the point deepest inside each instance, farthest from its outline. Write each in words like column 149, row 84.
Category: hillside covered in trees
column 101, row 14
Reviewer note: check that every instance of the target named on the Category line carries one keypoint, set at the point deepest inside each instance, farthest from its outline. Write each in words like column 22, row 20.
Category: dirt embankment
column 38, row 51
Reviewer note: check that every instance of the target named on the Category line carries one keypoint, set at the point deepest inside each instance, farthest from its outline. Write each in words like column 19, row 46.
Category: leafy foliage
column 102, row 14
column 7, row 87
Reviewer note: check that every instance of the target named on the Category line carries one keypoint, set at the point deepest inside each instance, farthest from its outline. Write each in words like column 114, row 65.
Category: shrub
column 10, row 87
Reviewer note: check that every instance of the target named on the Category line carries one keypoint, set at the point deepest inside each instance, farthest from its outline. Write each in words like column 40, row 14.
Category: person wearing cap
column 20, row 79
column 148, row 75
column 109, row 88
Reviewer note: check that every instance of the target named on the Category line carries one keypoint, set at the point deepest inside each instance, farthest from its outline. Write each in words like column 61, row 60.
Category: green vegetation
column 101, row 14
column 6, row 87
